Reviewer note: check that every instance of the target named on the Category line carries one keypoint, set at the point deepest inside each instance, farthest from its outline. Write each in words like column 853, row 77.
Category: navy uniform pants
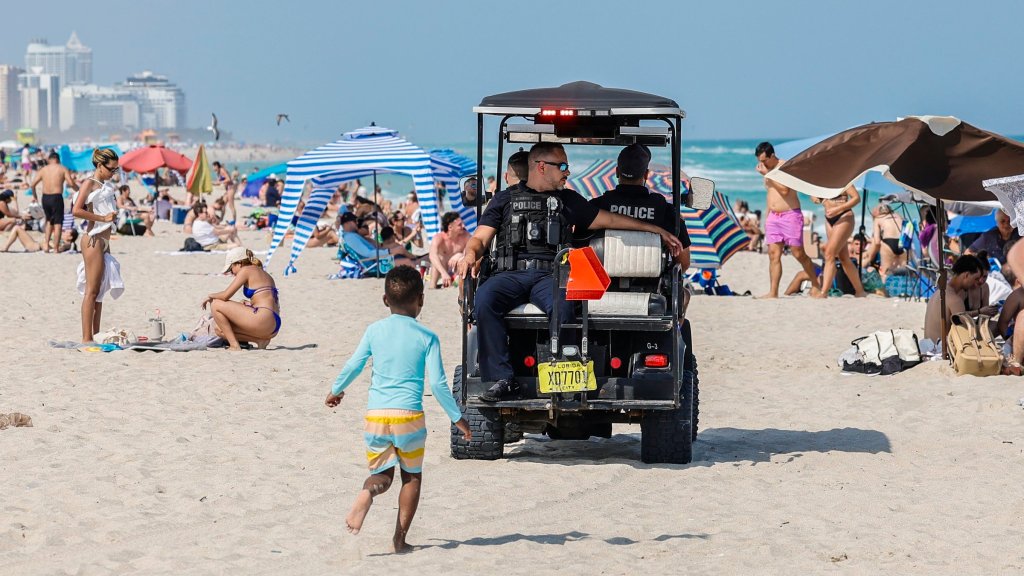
column 494, row 299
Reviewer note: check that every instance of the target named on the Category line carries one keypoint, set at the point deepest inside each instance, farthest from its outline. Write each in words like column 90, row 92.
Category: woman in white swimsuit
column 96, row 202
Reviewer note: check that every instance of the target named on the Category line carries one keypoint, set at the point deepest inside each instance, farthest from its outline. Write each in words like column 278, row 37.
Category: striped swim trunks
column 393, row 437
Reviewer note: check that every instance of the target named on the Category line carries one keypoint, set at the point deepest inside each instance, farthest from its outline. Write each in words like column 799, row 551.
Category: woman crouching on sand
column 99, row 272
column 256, row 320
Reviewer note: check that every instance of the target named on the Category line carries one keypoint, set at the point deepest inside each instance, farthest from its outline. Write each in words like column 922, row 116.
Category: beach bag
column 884, row 352
column 972, row 350
column 122, row 337
column 192, row 245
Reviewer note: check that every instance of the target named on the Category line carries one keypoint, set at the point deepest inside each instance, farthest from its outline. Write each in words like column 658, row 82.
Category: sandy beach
column 216, row 462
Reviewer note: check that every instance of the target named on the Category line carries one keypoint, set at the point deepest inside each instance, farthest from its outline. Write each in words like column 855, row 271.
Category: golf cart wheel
column 488, row 441
column 666, row 437
column 696, row 404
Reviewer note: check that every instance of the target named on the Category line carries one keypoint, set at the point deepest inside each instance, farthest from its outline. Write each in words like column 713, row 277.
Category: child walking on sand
column 395, row 430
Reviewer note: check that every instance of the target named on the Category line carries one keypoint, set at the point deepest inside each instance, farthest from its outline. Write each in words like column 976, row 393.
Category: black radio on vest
column 535, row 230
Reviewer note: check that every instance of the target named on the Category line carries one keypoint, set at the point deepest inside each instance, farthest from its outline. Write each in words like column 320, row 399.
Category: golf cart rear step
column 575, row 406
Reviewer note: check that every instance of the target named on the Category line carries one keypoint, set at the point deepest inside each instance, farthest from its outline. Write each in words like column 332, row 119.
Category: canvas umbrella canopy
column 149, row 158
column 361, row 153
column 938, row 156
column 199, row 181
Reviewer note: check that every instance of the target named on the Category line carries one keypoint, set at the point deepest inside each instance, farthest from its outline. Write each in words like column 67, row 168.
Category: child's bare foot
column 357, row 514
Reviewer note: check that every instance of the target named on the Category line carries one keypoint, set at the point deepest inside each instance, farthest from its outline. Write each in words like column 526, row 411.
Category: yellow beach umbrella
column 199, row 181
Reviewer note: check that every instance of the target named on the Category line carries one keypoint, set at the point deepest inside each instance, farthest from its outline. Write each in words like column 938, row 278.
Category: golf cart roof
column 592, row 99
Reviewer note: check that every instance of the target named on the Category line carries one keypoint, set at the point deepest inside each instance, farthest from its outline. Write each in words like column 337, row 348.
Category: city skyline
column 792, row 70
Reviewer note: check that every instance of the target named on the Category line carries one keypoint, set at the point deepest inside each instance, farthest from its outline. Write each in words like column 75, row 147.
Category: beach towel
column 112, row 281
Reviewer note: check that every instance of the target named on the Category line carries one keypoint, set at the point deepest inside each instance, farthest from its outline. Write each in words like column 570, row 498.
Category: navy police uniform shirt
column 639, row 203
column 576, row 210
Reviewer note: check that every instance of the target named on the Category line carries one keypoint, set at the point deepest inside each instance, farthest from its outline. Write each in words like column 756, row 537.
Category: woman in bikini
column 256, row 320
column 839, row 223
column 96, row 202
column 886, row 239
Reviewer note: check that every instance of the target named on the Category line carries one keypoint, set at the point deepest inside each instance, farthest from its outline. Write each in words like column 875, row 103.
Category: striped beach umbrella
column 716, row 233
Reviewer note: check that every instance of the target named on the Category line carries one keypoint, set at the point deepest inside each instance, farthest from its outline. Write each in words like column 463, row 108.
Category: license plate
column 565, row 376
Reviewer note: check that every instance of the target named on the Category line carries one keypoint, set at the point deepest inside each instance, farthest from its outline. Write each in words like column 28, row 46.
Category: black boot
column 502, row 390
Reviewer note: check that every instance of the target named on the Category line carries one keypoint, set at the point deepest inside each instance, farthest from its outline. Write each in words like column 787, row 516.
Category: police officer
column 532, row 221
column 632, row 198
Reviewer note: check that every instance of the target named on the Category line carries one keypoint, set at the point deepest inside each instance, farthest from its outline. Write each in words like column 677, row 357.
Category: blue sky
column 739, row 69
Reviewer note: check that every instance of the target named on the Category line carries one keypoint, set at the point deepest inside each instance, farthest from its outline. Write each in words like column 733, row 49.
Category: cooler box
column 178, row 214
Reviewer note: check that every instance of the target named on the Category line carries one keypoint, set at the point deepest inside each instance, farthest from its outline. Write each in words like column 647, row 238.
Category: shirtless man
column 784, row 225
column 446, row 249
column 53, row 178
column 229, row 189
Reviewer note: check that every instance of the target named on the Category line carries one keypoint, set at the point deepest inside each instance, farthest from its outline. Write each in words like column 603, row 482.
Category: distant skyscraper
column 10, row 98
column 71, row 63
column 103, row 109
column 161, row 103
column 40, row 96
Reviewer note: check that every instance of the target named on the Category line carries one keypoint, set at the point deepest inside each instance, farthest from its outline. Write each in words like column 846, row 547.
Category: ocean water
column 730, row 163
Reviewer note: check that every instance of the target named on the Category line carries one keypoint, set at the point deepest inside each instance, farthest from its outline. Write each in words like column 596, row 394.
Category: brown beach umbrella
column 938, row 156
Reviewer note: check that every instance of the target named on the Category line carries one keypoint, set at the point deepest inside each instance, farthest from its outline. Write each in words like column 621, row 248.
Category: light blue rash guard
column 403, row 351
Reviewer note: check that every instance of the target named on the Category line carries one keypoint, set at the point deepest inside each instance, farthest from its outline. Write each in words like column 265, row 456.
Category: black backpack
column 191, row 245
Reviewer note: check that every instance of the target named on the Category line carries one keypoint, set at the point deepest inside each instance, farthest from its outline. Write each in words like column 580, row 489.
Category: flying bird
column 213, row 127
column 283, row 117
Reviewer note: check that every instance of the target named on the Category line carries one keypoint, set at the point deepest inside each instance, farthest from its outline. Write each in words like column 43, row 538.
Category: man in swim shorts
column 784, row 226
column 53, row 178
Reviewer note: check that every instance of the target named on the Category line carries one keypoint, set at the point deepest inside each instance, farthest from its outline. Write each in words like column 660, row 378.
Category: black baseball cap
column 633, row 161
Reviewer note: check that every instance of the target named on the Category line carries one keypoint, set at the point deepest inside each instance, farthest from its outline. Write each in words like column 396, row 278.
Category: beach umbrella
column 149, row 158
column 599, row 177
column 938, row 156
column 715, row 233
column 199, row 181
column 971, row 224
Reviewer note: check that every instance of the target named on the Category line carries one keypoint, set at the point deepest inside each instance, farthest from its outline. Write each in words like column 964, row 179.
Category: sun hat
column 233, row 256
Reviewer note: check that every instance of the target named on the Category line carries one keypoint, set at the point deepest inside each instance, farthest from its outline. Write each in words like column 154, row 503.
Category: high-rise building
column 10, row 98
column 40, row 97
column 98, row 108
column 71, row 63
column 161, row 103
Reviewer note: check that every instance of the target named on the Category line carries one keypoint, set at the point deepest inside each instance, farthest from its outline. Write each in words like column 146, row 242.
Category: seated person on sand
column 997, row 240
column 322, row 236
column 211, row 236
column 255, row 320
column 964, row 290
column 1009, row 316
column 750, row 223
column 9, row 214
column 134, row 220
column 367, row 250
column 446, row 249
column 405, row 234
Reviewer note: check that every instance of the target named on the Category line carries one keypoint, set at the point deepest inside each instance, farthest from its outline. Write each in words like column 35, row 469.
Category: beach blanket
column 181, row 253
column 112, row 281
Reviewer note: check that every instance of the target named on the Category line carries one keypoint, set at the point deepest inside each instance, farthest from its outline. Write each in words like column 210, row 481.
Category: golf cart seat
column 634, row 261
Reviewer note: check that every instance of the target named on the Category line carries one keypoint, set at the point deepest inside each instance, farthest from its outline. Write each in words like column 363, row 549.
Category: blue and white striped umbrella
column 359, row 154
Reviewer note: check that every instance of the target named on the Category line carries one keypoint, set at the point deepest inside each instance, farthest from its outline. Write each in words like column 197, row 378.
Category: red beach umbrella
column 149, row 158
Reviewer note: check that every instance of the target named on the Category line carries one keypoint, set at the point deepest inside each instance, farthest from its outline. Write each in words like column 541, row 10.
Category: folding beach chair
column 369, row 266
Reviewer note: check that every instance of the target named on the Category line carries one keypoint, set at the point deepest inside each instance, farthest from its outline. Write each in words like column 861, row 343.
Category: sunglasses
column 562, row 166
column 115, row 168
